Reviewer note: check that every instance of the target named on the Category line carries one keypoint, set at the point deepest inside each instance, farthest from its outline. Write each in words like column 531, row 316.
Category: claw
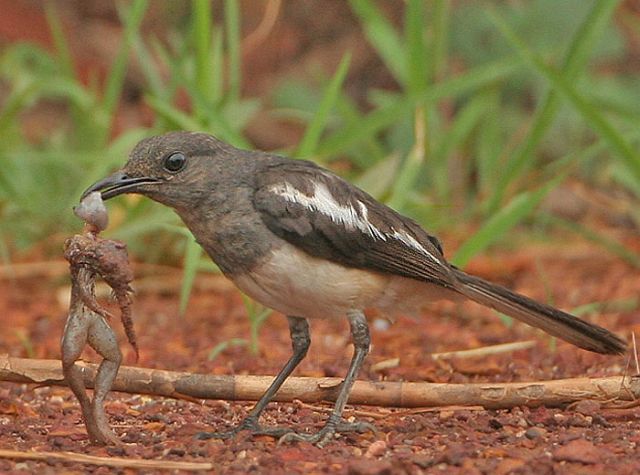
column 328, row 432
column 286, row 434
column 249, row 425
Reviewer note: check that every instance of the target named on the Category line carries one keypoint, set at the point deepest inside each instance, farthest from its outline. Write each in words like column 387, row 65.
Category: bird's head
column 174, row 169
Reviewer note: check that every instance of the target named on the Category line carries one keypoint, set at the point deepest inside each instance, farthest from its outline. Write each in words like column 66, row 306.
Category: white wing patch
column 323, row 202
column 411, row 242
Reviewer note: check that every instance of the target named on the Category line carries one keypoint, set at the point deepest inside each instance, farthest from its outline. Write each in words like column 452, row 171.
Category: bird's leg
column 102, row 339
column 300, row 341
column 335, row 424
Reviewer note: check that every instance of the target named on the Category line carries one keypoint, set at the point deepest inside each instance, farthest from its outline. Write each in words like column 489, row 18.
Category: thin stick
column 309, row 390
column 635, row 352
column 116, row 462
column 347, row 411
column 486, row 350
column 422, row 410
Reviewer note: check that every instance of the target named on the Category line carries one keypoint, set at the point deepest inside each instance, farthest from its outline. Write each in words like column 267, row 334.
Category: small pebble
column 534, row 433
column 376, row 449
column 180, row 452
column 116, row 451
column 446, row 414
column 559, row 418
column 495, row 424
column 93, row 211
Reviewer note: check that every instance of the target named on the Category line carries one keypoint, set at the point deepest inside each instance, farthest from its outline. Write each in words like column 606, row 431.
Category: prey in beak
column 117, row 184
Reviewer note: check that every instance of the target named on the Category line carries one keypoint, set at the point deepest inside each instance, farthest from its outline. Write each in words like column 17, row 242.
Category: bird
column 305, row 242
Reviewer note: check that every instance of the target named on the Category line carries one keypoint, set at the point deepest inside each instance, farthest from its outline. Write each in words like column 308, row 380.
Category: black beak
column 117, row 184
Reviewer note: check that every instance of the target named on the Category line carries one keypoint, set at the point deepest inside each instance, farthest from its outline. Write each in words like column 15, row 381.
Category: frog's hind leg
column 74, row 339
column 102, row 339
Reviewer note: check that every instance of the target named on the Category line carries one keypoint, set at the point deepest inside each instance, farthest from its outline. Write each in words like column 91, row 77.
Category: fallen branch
column 116, row 462
column 395, row 394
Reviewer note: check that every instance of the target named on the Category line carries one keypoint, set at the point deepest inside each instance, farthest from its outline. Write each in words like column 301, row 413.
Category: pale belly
column 295, row 283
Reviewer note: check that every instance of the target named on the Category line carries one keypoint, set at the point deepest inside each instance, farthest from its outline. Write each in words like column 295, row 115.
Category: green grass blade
column 440, row 40
column 574, row 62
column 170, row 86
column 418, row 62
column 599, row 307
column 223, row 345
column 590, row 114
column 379, row 178
column 370, row 151
column 490, row 145
column 409, row 173
column 176, row 117
column 5, row 255
column 499, row 224
column 382, row 36
column 181, row 120
column 202, row 32
column 192, row 255
column 232, row 23
column 311, row 138
column 611, row 245
column 370, row 125
column 14, row 103
column 585, row 39
column 115, row 79
column 59, row 41
column 619, row 174
column 466, row 120
column 132, row 21
column 389, row 114
column 256, row 321
column 217, row 61
column 473, row 79
column 90, row 124
column 150, row 70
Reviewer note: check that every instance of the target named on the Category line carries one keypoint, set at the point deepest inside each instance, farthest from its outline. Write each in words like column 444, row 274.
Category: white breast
column 294, row 283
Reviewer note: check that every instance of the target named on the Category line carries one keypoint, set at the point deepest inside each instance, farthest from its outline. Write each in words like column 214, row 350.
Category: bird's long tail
column 553, row 321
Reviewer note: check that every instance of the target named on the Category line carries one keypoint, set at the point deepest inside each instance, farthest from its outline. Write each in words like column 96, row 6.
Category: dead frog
column 89, row 257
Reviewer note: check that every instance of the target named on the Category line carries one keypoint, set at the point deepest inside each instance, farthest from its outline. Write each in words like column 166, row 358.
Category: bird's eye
column 175, row 162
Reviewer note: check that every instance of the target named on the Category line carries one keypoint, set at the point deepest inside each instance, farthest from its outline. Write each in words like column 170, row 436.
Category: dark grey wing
column 330, row 218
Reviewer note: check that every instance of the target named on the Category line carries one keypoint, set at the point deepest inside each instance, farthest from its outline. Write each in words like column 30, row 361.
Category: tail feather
column 553, row 321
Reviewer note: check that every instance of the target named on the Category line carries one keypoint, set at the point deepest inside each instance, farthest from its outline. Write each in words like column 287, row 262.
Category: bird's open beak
column 117, row 184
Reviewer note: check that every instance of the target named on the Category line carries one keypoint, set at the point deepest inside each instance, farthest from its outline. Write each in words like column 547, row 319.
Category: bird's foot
column 249, row 424
column 328, row 432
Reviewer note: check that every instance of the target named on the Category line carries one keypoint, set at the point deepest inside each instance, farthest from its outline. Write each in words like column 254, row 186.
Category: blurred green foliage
column 495, row 103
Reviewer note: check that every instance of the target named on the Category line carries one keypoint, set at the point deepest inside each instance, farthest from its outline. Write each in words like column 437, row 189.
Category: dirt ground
column 587, row 438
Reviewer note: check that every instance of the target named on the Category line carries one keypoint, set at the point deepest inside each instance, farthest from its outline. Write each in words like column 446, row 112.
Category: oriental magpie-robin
column 303, row 241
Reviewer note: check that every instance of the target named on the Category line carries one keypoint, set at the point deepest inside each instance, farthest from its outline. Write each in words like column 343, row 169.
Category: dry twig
column 309, row 390
column 115, row 462
column 486, row 350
